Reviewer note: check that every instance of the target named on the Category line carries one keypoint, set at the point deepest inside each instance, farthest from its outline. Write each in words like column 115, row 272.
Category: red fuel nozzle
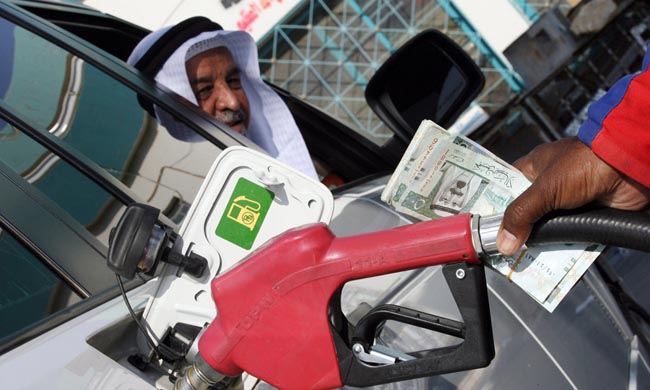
column 272, row 317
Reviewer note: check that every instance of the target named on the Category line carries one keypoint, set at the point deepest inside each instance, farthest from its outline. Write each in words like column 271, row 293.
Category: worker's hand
column 566, row 174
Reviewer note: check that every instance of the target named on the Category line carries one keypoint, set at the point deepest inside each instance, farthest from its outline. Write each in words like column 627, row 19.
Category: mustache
column 230, row 116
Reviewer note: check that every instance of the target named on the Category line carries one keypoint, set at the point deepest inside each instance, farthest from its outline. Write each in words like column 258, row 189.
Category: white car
column 77, row 149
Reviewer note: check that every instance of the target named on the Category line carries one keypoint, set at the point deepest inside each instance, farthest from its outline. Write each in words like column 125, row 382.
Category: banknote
column 575, row 273
column 442, row 174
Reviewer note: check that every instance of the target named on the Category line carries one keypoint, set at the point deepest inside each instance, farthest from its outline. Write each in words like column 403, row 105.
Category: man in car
column 609, row 162
column 218, row 71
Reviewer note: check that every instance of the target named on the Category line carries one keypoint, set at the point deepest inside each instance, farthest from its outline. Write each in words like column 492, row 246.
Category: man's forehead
column 221, row 53
column 218, row 58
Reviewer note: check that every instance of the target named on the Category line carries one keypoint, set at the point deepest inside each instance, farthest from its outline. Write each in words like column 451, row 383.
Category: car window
column 29, row 291
column 47, row 93
column 97, row 116
column 88, row 203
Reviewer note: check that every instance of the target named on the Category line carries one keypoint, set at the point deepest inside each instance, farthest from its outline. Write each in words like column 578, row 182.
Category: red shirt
column 618, row 126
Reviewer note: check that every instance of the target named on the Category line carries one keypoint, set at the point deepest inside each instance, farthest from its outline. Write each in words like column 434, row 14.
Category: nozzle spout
column 198, row 376
column 487, row 229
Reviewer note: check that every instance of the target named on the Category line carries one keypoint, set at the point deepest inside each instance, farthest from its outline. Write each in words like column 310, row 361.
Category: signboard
column 499, row 21
column 254, row 16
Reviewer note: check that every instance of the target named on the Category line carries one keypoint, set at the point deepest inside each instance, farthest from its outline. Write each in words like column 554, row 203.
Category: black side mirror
column 429, row 77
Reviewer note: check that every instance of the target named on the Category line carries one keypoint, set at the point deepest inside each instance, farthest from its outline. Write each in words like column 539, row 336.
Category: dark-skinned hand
column 566, row 174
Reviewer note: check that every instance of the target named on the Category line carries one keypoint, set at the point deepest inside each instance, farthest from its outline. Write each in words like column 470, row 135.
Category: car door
column 75, row 149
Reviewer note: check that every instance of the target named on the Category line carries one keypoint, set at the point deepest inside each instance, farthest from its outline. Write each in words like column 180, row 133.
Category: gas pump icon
column 244, row 211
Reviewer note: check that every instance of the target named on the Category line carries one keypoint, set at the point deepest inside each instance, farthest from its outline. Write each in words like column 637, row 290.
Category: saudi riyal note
column 575, row 273
column 442, row 175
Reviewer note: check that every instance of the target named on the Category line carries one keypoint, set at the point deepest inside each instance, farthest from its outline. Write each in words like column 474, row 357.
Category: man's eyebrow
column 199, row 80
column 233, row 71
column 208, row 79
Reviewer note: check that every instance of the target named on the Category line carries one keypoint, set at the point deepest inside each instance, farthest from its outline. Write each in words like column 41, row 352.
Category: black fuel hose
column 626, row 229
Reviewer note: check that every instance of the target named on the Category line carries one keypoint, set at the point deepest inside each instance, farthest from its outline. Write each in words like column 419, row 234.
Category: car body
column 77, row 148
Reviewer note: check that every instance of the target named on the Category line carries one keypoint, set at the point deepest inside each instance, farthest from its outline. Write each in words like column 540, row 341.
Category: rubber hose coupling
column 198, row 376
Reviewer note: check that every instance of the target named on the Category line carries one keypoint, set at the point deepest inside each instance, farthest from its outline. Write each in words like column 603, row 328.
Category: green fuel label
column 244, row 214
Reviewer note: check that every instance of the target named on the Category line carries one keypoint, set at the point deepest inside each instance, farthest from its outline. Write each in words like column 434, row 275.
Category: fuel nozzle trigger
column 290, row 284
column 364, row 363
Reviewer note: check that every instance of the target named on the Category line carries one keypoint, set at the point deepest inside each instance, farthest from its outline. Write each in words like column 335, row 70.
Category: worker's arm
column 618, row 126
column 610, row 163
column 566, row 174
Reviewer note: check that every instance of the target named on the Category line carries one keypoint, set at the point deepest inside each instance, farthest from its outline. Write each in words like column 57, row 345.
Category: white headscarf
column 271, row 125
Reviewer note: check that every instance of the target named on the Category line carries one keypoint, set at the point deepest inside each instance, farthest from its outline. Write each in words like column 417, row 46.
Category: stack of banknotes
column 442, row 174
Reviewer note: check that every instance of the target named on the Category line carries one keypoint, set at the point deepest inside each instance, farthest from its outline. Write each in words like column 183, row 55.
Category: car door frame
column 349, row 154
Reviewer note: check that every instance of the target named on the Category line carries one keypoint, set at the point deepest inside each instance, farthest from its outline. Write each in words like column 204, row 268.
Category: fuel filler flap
column 246, row 198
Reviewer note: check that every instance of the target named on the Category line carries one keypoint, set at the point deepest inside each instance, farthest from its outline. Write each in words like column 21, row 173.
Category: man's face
column 216, row 84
